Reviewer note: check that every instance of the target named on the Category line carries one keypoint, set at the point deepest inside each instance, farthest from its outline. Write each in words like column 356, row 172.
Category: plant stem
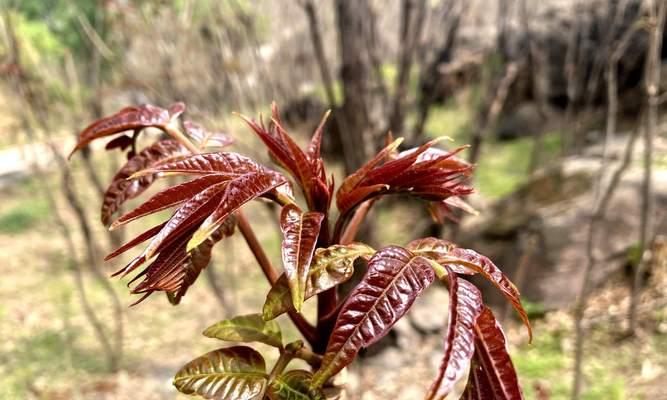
column 256, row 248
column 178, row 135
column 326, row 303
column 281, row 364
column 291, row 351
column 313, row 359
column 599, row 214
column 338, row 229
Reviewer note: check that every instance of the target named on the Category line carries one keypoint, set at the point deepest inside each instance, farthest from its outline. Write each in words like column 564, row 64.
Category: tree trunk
column 430, row 77
column 363, row 107
column 412, row 21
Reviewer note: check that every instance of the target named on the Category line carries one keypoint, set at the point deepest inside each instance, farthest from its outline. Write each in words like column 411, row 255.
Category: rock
column 543, row 227
column 525, row 120
column 430, row 311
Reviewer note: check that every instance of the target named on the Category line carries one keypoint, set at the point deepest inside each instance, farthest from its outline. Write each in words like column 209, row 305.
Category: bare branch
column 652, row 82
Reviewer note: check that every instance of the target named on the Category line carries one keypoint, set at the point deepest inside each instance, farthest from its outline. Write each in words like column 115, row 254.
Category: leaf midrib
column 221, row 374
column 373, row 308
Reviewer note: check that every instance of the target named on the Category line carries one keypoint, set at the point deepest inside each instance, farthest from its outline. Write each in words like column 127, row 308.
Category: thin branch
column 412, row 22
column 490, row 115
column 601, row 205
column 318, row 48
column 94, row 37
column 584, row 291
column 256, row 248
column 652, row 73
column 21, row 84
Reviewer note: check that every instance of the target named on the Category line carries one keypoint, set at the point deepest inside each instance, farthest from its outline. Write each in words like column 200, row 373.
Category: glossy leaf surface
column 199, row 258
column 168, row 198
column 331, row 266
column 437, row 250
column 137, row 240
column 465, row 306
column 315, row 144
column 209, row 208
column 433, row 178
column 237, row 192
column 189, row 215
column 233, row 373
column 129, row 118
column 307, row 169
column 294, row 385
column 492, row 375
column 167, row 270
column 300, row 233
column 247, row 328
column 224, row 163
column 352, row 181
column 394, row 279
column 121, row 189
column 204, row 138
column 230, row 165
column 477, row 263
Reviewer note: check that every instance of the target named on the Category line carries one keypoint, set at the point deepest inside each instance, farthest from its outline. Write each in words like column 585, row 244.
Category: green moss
column 534, row 310
column 547, row 363
column 452, row 120
column 47, row 355
column 504, row 166
column 25, row 215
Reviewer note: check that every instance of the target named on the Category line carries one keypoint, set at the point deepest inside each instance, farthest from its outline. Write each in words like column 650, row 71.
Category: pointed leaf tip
column 492, row 374
column 247, row 328
column 465, row 306
column 394, row 279
column 300, row 233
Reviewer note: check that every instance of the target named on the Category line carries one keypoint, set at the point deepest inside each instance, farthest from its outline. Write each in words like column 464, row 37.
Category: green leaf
column 231, row 373
column 331, row 266
column 247, row 328
column 294, row 385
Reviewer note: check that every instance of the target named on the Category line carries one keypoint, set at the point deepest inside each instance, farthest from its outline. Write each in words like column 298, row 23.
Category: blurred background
column 560, row 101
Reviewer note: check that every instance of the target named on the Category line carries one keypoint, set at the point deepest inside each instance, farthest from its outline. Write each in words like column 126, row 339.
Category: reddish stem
column 256, row 248
column 176, row 133
column 326, row 301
